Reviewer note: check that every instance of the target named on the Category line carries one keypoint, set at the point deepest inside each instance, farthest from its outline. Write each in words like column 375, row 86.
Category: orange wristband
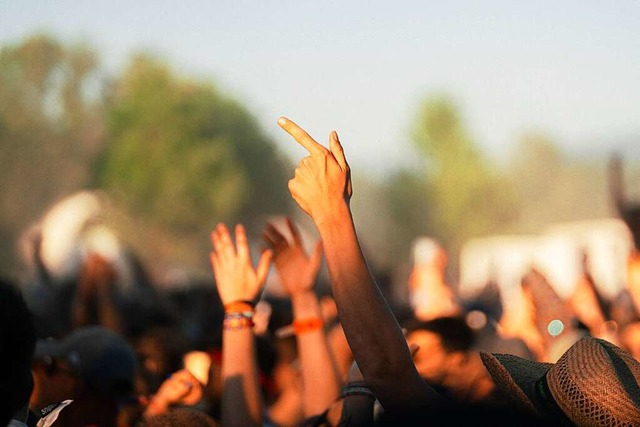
column 239, row 307
column 300, row 326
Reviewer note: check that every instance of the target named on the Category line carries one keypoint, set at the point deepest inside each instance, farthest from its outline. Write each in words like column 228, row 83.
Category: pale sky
column 568, row 68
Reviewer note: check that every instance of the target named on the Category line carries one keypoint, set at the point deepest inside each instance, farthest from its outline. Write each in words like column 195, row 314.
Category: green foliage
column 176, row 154
column 465, row 198
column 50, row 129
column 184, row 155
column 408, row 204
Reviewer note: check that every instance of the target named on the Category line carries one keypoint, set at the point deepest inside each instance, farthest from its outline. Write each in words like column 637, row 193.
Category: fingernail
column 282, row 121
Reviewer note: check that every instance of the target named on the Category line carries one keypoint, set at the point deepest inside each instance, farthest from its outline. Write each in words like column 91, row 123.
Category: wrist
column 301, row 326
column 234, row 320
column 239, row 306
column 328, row 219
column 157, row 405
column 305, row 304
column 357, row 388
column 306, row 325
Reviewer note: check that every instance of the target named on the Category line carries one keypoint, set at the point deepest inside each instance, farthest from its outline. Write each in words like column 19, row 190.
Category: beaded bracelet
column 238, row 320
column 301, row 326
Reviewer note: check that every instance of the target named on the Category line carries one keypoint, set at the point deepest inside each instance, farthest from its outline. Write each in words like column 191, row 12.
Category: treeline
column 177, row 155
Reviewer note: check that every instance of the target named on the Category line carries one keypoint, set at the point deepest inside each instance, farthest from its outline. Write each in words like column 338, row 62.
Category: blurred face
column 630, row 338
column 431, row 358
column 53, row 382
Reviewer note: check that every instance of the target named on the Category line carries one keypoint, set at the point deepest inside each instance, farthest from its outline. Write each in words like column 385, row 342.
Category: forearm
column 372, row 331
column 81, row 312
column 99, row 308
column 241, row 398
column 108, row 315
column 340, row 349
column 287, row 410
column 321, row 382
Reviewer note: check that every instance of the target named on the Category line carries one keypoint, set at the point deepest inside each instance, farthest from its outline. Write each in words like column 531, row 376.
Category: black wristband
column 357, row 388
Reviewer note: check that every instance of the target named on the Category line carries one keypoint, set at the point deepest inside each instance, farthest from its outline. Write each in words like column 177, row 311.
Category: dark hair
column 17, row 343
column 179, row 417
column 453, row 331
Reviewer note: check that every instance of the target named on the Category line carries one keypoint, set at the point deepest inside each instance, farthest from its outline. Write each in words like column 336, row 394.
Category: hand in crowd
column 296, row 269
column 97, row 277
column 236, row 278
column 298, row 272
column 322, row 180
column 239, row 285
column 181, row 388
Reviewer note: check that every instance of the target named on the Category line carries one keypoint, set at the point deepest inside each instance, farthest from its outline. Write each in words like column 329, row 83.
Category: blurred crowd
column 90, row 340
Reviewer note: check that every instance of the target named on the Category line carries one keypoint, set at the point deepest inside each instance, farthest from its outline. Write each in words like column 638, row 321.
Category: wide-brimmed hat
column 594, row 383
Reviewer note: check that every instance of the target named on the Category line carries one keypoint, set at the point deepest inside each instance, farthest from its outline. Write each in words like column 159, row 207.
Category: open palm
column 296, row 269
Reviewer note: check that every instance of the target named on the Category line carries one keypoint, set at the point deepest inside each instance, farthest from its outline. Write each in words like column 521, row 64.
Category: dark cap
column 101, row 358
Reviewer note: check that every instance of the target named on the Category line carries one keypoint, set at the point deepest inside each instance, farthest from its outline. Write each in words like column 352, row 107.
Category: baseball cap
column 101, row 358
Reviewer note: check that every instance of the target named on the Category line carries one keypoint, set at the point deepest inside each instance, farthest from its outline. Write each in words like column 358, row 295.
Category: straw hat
column 594, row 383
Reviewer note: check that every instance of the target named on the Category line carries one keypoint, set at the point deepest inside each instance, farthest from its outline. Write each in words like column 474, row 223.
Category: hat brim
column 48, row 347
column 516, row 377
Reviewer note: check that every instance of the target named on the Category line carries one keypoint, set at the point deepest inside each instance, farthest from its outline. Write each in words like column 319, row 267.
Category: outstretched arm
column 298, row 272
column 322, row 188
column 238, row 284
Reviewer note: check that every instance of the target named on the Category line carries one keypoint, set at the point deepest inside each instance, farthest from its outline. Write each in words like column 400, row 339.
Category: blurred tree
column 408, row 196
column 465, row 196
column 371, row 211
column 536, row 165
column 183, row 156
column 50, row 130
column 552, row 188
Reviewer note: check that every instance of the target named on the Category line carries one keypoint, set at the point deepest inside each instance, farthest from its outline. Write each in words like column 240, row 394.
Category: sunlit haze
column 568, row 69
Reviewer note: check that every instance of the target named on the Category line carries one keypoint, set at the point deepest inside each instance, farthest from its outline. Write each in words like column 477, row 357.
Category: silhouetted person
column 17, row 341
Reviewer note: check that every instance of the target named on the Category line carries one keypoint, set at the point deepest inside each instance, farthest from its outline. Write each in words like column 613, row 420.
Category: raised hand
column 322, row 188
column 296, row 269
column 180, row 388
column 322, row 180
column 97, row 277
column 298, row 272
column 236, row 279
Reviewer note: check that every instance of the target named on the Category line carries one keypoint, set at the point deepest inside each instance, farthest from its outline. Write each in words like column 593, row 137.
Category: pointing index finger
column 301, row 136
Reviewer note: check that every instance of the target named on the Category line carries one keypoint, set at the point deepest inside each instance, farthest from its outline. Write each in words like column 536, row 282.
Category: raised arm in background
column 238, row 284
column 322, row 188
column 298, row 272
column 94, row 301
column 181, row 388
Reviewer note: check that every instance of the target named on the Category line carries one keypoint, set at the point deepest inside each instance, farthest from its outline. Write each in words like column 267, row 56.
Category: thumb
column 337, row 151
column 316, row 256
column 263, row 266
